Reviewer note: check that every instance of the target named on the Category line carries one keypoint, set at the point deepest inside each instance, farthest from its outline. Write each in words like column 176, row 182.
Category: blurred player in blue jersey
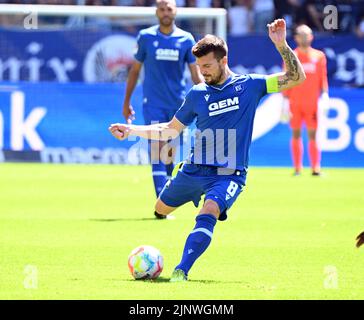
column 224, row 107
column 164, row 50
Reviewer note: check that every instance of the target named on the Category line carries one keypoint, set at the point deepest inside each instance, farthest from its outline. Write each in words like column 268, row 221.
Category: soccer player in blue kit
column 164, row 50
column 224, row 107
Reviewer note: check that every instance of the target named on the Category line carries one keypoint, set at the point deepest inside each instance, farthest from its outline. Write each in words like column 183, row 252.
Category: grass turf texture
column 77, row 225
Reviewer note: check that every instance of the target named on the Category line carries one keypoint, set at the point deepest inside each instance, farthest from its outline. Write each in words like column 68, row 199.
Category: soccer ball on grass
column 145, row 262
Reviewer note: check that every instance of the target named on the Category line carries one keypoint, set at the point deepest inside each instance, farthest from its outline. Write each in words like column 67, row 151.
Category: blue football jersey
column 224, row 119
column 164, row 58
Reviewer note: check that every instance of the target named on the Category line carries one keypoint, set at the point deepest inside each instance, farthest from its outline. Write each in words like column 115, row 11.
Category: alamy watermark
column 30, row 21
column 331, row 280
column 31, row 277
column 216, row 147
column 331, row 18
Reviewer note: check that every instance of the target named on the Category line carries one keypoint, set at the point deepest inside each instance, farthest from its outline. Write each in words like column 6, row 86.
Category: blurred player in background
column 303, row 100
column 226, row 103
column 164, row 50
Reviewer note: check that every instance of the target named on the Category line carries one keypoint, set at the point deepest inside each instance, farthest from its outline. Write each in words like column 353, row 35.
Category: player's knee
column 312, row 134
column 296, row 133
column 167, row 154
column 211, row 207
column 161, row 208
column 154, row 151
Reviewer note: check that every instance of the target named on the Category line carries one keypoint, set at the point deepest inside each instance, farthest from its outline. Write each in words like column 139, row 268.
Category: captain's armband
column 272, row 83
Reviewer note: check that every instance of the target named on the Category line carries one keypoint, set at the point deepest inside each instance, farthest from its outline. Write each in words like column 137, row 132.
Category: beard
column 216, row 79
column 166, row 22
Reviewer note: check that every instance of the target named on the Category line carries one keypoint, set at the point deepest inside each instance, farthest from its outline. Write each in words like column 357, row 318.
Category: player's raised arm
column 159, row 131
column 294, row 73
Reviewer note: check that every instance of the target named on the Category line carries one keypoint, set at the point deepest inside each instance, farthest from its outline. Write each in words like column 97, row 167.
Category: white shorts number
column 232, row 188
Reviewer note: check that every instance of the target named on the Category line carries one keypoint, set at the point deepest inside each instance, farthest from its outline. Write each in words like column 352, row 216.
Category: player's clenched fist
column 277, row 32
column 119, row 131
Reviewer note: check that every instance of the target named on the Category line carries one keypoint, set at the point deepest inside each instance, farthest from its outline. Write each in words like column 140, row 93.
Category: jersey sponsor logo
column 167, row 54
column 223, row 106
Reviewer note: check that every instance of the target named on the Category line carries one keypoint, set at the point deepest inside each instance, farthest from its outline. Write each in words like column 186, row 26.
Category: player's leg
column 177, row 191
column 169, row 150
column 159, row 172
column 313, row 150
column 161, row 210
column 296, row 140
column 220, row 196
column 167, row 154
column 158, row 167
column 198, row 240
column 297, row 150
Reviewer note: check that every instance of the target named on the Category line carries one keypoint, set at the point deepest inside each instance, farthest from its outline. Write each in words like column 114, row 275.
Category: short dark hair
column 210, row 43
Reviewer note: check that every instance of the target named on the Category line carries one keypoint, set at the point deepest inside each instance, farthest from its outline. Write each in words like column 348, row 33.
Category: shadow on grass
column 123, row 219
column 163, row 280
column 158, row 280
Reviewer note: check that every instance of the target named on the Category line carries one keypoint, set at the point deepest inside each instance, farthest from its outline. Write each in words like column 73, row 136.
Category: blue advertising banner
column 344, row 53
column 69, row 123
column 105, row 56
column 65, row 56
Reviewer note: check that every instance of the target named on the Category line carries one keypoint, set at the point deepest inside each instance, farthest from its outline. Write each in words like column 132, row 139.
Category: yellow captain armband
column 272, row 83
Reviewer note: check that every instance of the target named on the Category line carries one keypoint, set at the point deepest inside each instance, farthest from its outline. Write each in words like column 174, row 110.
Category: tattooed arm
column 294, row 73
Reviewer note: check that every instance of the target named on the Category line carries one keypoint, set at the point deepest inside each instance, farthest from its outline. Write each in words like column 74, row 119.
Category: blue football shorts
column 157, row 115
column 194, row 180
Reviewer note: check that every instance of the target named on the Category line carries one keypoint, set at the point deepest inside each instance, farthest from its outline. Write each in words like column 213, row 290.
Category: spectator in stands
column 360, row 27
column 53, row 20
column 218, row 3
column 195, row 26
column 180, row 3
column 313, row 14
column 54, row 2
column 240, row 17
column 100, row 22
column 125, row 3
column 358, row 11
column 263, row 14
column 142, row 3
column 101, row 2
column 11, row 20
column 190, row 3
column 203, row 3
column 287, row 9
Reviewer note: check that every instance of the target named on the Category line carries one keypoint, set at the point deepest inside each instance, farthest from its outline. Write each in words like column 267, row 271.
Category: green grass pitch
column 66, row 232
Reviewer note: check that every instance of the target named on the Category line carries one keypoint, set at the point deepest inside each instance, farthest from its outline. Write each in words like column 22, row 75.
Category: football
column 145, row 262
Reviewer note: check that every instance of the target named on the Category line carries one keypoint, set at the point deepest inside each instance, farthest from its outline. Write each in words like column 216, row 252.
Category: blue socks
column 198, row 241
column 169, row 169
column 161, row 173
column 159, row 177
